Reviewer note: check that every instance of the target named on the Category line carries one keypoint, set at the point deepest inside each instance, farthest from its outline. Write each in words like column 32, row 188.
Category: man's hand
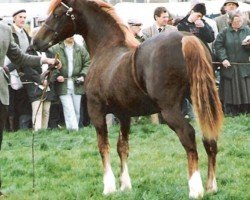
column 60, row 79
column 6, row 69
column 45, row 83
column 226, row 63
column 199, row 23
column 52, row 62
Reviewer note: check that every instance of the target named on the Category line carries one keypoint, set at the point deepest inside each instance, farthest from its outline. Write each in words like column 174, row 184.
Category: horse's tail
column 204, row 93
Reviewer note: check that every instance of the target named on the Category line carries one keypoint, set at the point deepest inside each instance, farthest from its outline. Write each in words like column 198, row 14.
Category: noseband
column 68, row 13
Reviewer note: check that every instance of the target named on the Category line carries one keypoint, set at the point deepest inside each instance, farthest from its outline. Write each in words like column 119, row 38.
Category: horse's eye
column 56, row 16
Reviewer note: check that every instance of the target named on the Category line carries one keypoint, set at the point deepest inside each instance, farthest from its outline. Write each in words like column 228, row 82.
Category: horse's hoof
column 212, row 188
column 211, row 191
column 109, row 183
column 125, row 182
column 125, row 187
column 109, row 190
column 196, row 195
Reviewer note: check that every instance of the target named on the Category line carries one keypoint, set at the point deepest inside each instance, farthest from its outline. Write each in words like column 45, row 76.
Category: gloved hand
column 226, row 63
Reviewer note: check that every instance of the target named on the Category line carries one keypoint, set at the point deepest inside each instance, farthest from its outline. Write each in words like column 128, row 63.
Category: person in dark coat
column 194, row 24
column 10, row 49
column 40, row 100
column 235, row 78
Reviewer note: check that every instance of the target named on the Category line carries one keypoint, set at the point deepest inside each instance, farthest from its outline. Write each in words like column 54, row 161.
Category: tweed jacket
column 153, row 30
column 9, row 47
column 12, row 66
column 81, row 62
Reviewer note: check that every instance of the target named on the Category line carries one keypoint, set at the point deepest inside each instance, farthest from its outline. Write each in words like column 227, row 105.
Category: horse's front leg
column 99, row 121
column 211, row 149
column 123, row 151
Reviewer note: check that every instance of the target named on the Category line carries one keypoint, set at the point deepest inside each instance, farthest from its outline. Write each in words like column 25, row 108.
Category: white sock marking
column 195, row 186
column 125, row 179
column 109, row 182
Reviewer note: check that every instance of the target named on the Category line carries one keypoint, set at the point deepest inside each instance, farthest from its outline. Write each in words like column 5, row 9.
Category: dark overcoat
column 235, row 80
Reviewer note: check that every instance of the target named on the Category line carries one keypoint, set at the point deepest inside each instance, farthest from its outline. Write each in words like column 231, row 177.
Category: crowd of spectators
column 227, row 38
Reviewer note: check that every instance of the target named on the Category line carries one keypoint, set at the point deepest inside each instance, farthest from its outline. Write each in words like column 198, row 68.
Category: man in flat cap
column 19, row 108
column 135, row 27
column 229, row 6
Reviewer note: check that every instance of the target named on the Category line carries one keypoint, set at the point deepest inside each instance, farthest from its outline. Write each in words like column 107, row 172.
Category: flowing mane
column 130, row 40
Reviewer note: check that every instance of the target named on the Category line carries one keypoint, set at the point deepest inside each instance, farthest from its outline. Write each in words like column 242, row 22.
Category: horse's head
column 59, row 25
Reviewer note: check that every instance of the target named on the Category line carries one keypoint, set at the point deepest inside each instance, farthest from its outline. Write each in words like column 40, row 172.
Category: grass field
column 68, row 165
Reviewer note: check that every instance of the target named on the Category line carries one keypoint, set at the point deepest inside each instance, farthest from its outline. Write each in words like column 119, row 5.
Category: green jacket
column 80, row 67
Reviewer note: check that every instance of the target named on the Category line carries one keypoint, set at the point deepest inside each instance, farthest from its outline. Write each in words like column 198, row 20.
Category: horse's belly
column 134, row 107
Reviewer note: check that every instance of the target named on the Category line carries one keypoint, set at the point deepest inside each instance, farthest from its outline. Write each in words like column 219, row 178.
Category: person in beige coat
column 10, row 49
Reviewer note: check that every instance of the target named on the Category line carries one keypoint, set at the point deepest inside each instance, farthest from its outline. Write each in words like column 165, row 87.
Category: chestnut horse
column 129, row 79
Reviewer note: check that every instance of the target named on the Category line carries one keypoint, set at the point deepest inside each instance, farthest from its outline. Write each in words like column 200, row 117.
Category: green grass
column 68, row 164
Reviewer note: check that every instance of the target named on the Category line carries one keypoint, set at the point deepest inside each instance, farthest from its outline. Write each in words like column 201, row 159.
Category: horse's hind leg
column 123, row 151
column 186, row 135
column 99, row 121
column 211, row 149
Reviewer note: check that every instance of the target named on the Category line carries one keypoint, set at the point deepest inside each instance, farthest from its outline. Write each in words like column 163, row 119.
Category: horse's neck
column 99, row 30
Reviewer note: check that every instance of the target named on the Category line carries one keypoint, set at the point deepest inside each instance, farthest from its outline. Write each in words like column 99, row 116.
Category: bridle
column 68, row 13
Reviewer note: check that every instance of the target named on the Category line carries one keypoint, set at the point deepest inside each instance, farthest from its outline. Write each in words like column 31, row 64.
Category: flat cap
column 231, row 1
column 134, row 22
column 19, row 11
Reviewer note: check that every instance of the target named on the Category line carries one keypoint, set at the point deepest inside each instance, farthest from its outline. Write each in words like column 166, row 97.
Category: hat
column 231, row 1
column 134, row 22
column 19, row 11
column 200, row 7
